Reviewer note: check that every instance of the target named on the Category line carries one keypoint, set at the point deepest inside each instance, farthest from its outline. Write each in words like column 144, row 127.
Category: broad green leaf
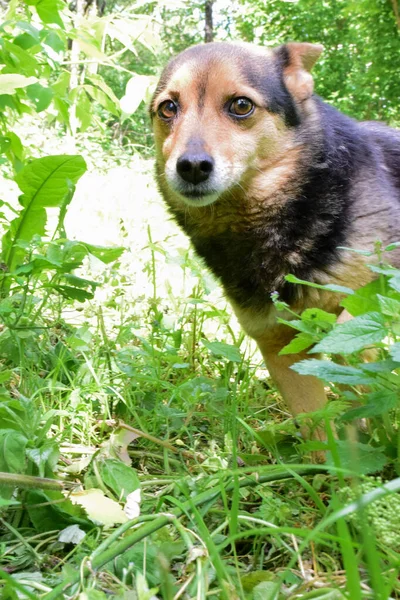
column 318, row 317
column 363, row 300
column 119, row 477
column 332, row 372
column 389, row 306
column 106, row 255
column 48, row 11
column 51, row 510
column 378, row 403
column 223, row 350
column 52, row 39
column 45, row 182
column 354, row 335
column 12, row 451
column 299, row 343
column 362, row 458
column 45, row 456
column 383, row 366
column 5, row 375
column 20, row 61
column 12, row 81
column 41, row 96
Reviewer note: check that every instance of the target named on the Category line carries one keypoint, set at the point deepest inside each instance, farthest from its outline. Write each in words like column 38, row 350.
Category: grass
column 152, row 385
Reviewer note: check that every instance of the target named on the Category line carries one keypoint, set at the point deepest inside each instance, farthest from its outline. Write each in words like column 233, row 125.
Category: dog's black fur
column 319, row 218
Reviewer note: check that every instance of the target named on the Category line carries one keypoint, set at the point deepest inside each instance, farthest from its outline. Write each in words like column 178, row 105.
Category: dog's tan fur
column 262, row 163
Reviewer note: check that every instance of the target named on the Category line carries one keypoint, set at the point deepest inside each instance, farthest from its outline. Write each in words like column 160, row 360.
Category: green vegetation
column 143, row 453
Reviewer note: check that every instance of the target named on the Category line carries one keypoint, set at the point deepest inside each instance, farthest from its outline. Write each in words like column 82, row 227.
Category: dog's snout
column 195, row 168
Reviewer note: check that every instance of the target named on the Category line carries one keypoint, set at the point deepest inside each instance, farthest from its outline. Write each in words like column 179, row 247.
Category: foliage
column 361, row 40
column 35, row 75
column 374, row 330
column 142, row 452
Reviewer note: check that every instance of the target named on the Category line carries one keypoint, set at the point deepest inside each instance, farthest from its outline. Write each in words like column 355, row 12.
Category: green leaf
column 394, row 351
column 41, row 96
column 332, row 372
column 389, row 306
column 99, row 82
column 223, row 350
column 106, row 255
column 298, row 343
column 394, row 283
column 332, row 287
column 48, row 11
column 363, row 300
column 362, row 458
column 45, row 182
column 73, row 293
column 378, row 403
column 319, row 317
column 80, row 282
column 5, row 375
column 354, row 335
column 45, row 456
column 266, row 590
column 119, row 477
column 12, row 451
column 12, row 81
column 102, row 98
column 47, row 515
column 83, row 110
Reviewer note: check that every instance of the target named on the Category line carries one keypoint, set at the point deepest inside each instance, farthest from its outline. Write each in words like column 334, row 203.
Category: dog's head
column 222, row 112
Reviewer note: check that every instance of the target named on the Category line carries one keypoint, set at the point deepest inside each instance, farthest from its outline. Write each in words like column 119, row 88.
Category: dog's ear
column 297, row 60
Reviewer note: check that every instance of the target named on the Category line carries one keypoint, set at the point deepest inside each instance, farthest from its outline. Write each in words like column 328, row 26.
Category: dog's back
column 388, row 141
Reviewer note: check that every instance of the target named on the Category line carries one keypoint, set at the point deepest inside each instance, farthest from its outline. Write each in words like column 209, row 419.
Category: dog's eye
column 167, row 110
column 241, row 107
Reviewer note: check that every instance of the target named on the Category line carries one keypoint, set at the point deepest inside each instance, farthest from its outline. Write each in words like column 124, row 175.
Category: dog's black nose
column 195, row 168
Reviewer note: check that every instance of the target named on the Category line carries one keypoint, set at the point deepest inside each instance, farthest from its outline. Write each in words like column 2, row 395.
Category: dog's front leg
column 301, row 393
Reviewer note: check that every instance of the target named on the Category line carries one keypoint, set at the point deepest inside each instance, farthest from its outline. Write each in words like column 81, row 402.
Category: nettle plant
column 360, row 357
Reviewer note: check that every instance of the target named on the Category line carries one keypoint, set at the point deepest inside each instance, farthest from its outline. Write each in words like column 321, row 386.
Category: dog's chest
column 249, row 261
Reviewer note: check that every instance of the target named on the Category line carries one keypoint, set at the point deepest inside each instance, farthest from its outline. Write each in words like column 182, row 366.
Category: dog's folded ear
column 297, row 60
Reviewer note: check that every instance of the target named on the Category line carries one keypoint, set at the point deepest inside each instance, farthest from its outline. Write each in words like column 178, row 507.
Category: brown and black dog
column 267, row 179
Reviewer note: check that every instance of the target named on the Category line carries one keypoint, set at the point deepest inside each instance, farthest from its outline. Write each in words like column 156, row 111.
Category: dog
column 267, row 179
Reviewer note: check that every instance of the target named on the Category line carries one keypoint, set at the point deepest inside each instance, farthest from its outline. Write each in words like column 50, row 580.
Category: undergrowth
column 142, row 457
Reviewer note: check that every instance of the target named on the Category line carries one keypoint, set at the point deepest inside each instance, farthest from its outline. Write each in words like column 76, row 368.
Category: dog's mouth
column 196, row 195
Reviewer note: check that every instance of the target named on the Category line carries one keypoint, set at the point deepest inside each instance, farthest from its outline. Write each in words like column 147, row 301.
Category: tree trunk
column 396, row 11
column 208, row 29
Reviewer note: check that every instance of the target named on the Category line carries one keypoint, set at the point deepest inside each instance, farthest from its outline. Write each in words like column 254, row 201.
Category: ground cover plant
column 144, row 453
